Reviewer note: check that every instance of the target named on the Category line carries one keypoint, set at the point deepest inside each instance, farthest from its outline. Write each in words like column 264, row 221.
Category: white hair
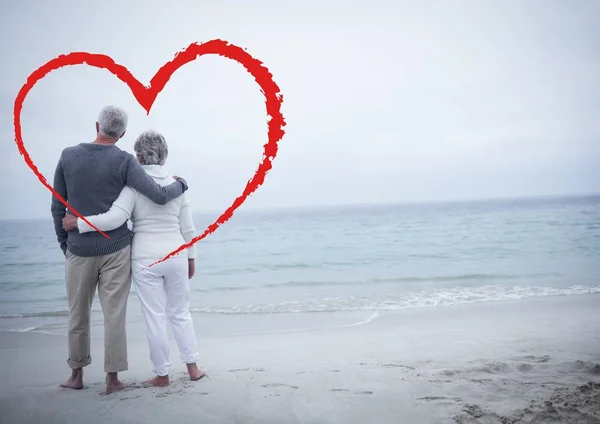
column 112, row 121
column 151, row 148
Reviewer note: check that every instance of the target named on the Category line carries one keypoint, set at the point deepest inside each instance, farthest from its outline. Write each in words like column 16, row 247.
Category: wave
column 34, row 300
column 23, row 330
column 423, row 299
column 408, row 280
column 33, row 264
column 14, row 286
column 367, row 320
column 416, row 299
column 36, row 314
column 39, row 330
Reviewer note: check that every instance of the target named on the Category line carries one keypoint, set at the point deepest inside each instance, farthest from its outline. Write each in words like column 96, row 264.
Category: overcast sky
column 386, row 101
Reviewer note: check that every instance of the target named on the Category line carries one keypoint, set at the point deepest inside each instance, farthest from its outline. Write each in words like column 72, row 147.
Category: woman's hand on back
column 69, row 222
column 191, row 268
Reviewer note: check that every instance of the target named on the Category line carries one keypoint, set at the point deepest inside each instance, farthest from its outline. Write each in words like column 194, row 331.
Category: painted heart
column 146, row 95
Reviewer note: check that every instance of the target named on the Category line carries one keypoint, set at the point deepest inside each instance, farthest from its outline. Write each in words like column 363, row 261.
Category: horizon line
column 366, row 204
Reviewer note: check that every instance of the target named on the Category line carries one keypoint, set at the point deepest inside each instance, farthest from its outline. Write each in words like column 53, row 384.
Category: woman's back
column 157, row 230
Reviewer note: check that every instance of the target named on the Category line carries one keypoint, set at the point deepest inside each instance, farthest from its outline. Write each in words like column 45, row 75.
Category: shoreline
column 290, row 321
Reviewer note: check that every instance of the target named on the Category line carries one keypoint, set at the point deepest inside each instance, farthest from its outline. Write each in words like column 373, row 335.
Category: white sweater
column 157, row 230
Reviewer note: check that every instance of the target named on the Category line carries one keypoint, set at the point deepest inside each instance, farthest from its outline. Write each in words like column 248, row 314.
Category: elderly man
column 90, row 176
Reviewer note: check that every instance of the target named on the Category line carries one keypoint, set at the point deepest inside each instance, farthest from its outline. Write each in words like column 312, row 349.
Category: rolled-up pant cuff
column 116, row 367
column 79, row 364
column 162, row 370
column 192, row 359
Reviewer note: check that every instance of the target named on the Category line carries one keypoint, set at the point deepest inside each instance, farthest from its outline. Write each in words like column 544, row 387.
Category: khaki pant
column 112, row 274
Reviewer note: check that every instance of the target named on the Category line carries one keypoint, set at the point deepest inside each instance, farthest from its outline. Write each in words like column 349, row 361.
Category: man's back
column 93, row 178
column 90, row 177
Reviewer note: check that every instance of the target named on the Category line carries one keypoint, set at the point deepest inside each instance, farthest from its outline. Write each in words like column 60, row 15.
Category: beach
column 486, row 362
column 476, row 312
column 396, row 211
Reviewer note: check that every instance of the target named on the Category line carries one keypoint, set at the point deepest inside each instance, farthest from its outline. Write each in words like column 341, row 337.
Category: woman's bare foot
column 159, row 381
column 74, row 382
column 195, row 372
column 113, row 384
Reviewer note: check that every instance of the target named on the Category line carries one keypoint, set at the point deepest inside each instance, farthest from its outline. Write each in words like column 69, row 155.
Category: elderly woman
column 163, row 289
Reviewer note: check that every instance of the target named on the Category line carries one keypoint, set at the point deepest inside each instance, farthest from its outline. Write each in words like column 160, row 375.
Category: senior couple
column 109, row 186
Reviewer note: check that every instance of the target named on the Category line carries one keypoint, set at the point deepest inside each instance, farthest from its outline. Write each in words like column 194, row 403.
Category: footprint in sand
column 524, row 367
column 131, row 397
column 279, row 385
column 247, row 369
column 362, row 392
column 536, row 359
column 441, row 398
column 306, row 372
column 397, row 366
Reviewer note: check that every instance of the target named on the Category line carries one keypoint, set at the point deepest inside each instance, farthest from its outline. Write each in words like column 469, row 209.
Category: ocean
column 337, row 266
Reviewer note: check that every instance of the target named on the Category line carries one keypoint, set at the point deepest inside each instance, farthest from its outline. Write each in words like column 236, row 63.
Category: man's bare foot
column 159, row 381
column 113, row 384
column 195, row 372
column 74, row 382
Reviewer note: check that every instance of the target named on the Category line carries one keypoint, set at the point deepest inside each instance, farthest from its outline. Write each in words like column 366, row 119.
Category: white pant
column 164, row 292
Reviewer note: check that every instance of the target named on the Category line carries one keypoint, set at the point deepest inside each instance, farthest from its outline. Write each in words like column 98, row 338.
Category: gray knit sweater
column 90, row 177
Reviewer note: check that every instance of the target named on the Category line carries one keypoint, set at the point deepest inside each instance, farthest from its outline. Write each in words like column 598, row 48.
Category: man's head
column 151, row 148
column 112, row 123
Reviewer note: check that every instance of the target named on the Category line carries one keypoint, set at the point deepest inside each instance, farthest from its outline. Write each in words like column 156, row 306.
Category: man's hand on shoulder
column 182, row 181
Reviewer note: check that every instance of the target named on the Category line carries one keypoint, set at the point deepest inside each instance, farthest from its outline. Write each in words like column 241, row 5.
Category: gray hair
column 112, row 121
column 151, row 148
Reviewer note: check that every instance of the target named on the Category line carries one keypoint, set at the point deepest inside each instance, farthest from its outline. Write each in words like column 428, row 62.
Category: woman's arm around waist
column 116, row 216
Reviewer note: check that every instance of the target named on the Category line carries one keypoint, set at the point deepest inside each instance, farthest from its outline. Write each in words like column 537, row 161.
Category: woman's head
column 151, row 148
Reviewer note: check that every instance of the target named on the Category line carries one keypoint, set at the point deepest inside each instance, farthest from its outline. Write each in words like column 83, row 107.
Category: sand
column 568, row 405
column 526, row 361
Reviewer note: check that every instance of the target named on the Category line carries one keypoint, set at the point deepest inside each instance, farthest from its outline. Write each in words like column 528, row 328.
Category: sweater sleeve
column 57, row 208
column 186, row 223
column 116, row 216
column 138, row 179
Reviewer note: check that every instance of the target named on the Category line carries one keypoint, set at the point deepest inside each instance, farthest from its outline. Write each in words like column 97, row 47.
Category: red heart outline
column 146, row 95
